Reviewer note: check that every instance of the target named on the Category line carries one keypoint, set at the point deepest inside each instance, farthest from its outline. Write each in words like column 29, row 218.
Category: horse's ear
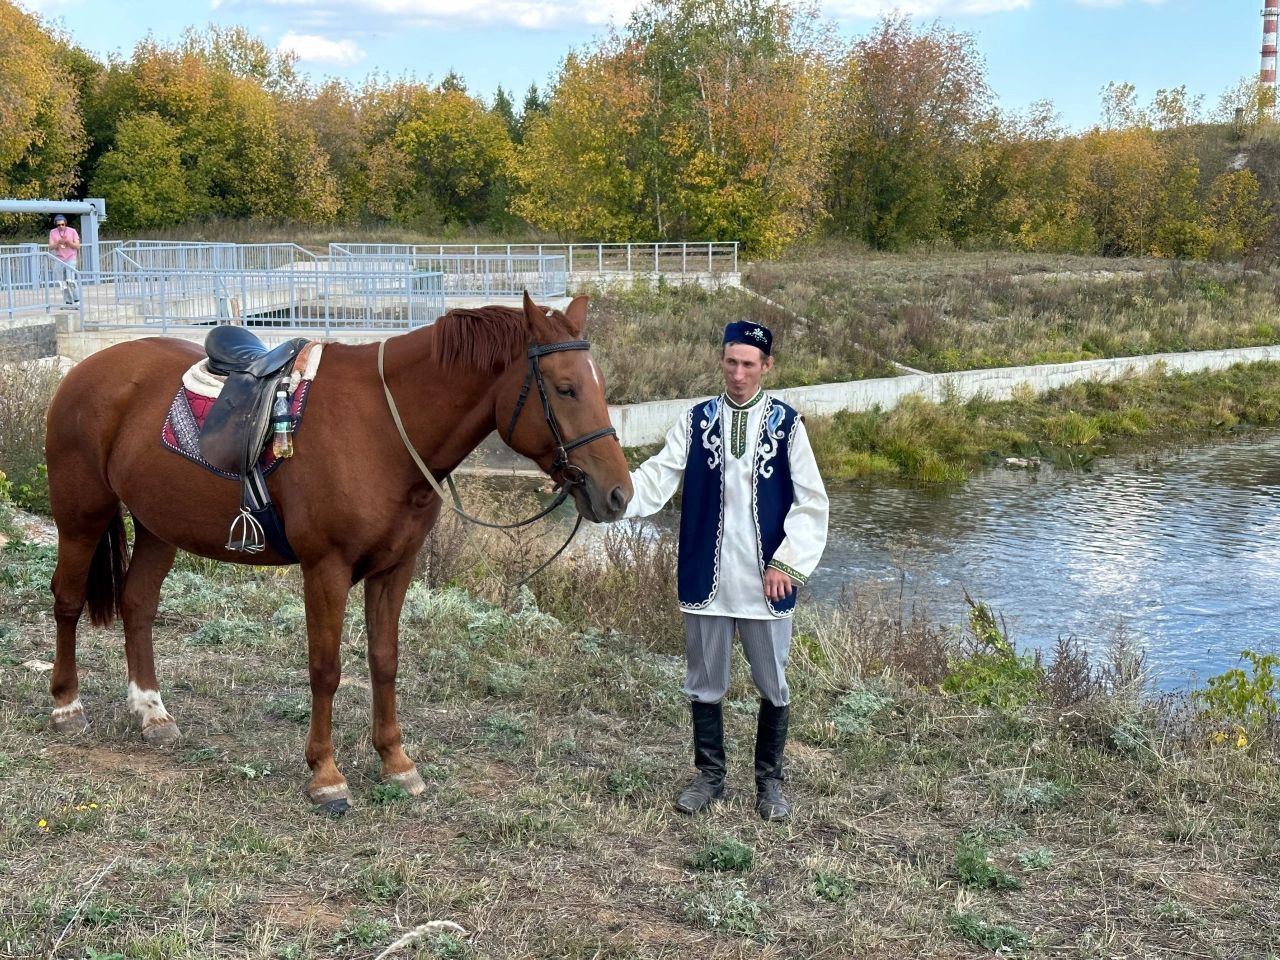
column 535, row 315
column 576, row 314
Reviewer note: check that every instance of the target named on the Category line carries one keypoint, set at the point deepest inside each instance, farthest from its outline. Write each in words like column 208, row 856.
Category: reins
column 571, row 476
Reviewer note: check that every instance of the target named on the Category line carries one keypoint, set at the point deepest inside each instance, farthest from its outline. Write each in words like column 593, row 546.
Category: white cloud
column 328, row 16
column 310, row 48
column 402, row 14
column 849, row 9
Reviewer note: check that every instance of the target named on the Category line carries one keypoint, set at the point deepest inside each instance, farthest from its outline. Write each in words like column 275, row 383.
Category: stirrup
column 252, row 538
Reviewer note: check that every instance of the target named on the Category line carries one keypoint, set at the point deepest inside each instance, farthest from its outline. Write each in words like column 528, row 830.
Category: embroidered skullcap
column 745, row 331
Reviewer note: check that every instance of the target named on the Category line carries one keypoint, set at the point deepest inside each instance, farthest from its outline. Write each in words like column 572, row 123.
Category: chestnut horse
column 354, row 505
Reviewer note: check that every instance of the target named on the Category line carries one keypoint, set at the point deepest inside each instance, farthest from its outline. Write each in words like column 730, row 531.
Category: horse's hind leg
column 152, row 558
column 91, row 559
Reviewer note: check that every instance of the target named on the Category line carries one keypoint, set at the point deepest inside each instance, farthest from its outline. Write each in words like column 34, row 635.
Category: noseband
column 571, row 476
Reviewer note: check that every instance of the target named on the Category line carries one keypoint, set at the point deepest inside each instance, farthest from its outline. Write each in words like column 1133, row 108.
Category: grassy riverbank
column 951, row 797
column 958, row 311
column 1070, row 427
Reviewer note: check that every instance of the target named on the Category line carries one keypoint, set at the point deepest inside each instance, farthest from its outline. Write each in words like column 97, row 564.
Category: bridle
column 571, row 476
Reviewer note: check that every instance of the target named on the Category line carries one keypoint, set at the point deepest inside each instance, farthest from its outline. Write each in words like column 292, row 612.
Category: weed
column 1035, row 796
column 833, row 886
column 294, row 711
column 723, row 854
column 975, row 868
column 727, row 907
column 389, row 794
column 1039, row 859
column 505, row 730
column 993, row 674
column 254, row 770
column 993, row 936
column 1247, row 701
column 854, row 711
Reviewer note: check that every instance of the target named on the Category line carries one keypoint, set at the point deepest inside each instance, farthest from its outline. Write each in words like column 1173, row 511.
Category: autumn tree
column 913, row 110
column 703, row 120
column 41, row 134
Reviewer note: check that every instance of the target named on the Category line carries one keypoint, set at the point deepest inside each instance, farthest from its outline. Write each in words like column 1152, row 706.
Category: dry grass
column 958, row 311
column 551, row 730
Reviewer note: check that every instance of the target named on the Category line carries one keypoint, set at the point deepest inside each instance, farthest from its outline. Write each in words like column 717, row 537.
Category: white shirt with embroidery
column 740, row 591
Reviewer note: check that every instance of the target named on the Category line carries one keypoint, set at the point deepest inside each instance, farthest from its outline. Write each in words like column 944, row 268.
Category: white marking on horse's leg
column 320, row 794
column 411, row 781
column 75, row 706
column 149, row 707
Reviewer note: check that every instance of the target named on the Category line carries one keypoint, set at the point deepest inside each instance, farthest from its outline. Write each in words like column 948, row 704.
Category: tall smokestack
column 1270, row 23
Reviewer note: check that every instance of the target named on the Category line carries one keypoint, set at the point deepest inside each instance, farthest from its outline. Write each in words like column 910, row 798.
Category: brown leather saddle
column 236, row 429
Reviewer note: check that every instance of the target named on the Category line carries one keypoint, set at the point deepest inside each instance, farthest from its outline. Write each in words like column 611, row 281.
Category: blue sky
column 1064, row 51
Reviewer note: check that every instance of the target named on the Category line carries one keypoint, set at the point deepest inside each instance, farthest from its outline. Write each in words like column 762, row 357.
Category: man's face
column 743, row 365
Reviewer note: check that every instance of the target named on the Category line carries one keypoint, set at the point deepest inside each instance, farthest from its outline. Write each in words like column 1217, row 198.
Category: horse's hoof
column 410, row 781
column 70, row 719
column 334, row 808
column 161, row 734
column 334, row 800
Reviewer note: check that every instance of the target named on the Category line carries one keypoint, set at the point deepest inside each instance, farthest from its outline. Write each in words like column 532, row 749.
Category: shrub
column 993, row 674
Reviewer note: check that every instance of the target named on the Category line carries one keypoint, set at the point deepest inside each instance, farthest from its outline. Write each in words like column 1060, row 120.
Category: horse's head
column 550, row 407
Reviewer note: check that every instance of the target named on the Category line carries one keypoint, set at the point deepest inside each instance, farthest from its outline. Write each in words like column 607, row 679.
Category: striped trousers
column 708, row 644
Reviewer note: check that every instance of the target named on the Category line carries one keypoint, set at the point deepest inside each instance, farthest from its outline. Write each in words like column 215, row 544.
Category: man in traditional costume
column 753, row 524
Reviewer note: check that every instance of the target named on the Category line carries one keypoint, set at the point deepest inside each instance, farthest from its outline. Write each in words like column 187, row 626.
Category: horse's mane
column 483, row 338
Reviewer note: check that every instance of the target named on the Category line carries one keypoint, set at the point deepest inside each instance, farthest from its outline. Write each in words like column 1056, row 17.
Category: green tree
column 459, row 151
column 143, row 174
column 914, row 108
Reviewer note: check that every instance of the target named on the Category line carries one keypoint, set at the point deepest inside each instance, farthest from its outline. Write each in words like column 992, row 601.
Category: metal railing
column 164, row 300
column 142, row 255
column 465, row 274
column 667, row 258
column 34, row 281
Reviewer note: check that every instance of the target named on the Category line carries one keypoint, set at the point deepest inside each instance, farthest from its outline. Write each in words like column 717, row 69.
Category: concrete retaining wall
column 644, row 423
column 28, row 341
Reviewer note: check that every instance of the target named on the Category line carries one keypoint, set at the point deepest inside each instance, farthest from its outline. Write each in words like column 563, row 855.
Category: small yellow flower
column 93, row 806
column 43, row 824
column 1219, row 737
column 1241, row 740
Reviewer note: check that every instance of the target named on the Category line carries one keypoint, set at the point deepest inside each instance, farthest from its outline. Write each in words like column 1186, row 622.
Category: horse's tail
column 105, row 590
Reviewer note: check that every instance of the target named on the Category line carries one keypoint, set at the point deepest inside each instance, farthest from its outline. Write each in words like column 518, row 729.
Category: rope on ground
column 430, row 929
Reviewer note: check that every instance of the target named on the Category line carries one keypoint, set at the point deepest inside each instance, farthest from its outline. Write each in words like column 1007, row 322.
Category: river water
column 1181, row 550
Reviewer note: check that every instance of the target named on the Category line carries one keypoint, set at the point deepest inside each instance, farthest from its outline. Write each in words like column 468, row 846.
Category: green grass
column 1069, row 427
column 925, row 823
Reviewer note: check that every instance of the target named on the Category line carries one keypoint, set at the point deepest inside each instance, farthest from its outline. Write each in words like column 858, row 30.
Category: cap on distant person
column 744, row 331
column 59, row 219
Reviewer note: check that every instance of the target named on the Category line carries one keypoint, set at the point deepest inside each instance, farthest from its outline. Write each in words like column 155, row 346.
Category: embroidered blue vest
column 702, row 502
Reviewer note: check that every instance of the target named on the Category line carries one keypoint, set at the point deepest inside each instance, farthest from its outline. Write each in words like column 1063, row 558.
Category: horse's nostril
column 617, row 499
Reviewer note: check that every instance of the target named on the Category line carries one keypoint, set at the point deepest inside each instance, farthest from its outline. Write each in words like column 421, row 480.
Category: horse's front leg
column 383, row 599
column 325, row 586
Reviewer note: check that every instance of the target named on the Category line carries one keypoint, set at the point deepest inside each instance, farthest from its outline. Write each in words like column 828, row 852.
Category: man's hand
column 777, row 585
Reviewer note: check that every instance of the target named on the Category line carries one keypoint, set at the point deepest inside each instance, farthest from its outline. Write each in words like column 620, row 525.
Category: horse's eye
column 566, row 391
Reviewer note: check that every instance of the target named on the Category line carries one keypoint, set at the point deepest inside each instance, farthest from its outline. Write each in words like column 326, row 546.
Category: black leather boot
column 708, row 757
column 771, row 741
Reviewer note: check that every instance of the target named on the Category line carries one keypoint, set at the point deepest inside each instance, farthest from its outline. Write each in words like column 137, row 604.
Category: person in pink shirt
column 64, row 243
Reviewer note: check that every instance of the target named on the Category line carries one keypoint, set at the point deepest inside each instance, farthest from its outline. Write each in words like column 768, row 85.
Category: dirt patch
column 104, row 761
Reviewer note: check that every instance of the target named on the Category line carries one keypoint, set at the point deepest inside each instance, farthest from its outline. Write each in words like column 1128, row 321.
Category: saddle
column 238, row 425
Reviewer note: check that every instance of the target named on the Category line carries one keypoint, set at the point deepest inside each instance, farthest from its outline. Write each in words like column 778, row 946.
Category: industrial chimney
column 1270, row 23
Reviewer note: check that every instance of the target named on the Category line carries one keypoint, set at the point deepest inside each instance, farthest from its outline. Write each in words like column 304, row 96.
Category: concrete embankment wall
column 27, row 341
column 644, row 423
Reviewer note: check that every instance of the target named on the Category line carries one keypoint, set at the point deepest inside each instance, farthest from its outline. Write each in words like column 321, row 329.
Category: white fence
column 601, row 258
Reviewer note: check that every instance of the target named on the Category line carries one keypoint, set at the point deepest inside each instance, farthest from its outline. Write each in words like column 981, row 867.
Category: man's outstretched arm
column 656, row 480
